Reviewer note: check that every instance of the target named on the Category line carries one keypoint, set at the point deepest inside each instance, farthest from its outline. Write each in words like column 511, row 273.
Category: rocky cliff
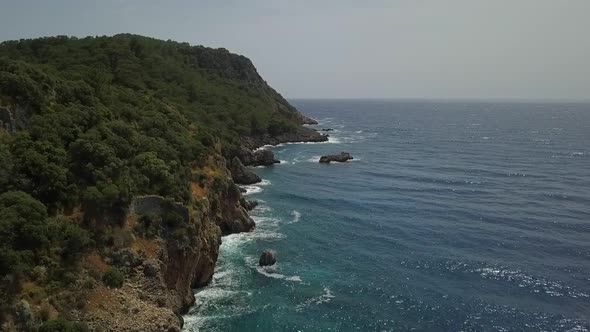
column 115, row 153
column 167, row 263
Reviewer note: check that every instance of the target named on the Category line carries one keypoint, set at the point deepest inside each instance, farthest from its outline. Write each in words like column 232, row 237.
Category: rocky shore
column 165, row 272
column 303, row 134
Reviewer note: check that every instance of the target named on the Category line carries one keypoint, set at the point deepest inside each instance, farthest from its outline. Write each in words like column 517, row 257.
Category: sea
column 453, row 216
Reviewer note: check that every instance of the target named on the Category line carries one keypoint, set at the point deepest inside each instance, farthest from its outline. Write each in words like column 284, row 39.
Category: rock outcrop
column 258, row 157
column 7, row 119
column 249, row 205
column 232, row 215
column 267, row 258
column 263, row 157
column 302, row 134
column 308, row 121
column 241, row 174
column 342, row 157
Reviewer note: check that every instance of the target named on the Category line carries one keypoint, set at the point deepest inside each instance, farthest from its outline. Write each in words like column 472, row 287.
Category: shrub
column 61, row 325
column 113, row 278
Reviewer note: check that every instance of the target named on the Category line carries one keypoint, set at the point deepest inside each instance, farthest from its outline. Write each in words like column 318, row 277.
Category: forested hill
column 122, row 103
column 88, row 124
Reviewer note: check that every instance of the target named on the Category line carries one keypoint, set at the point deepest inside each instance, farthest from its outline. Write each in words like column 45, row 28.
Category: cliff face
column 170, row 265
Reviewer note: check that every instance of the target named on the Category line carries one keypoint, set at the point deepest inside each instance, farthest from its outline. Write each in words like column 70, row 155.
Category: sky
column 481, row 49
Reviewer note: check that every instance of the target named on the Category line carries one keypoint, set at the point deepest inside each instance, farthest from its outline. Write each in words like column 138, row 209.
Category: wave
column 334, row 140
column 269, row 271
column 264, row 147
column 255, row 188
column 325, row 297
column 521, row 279
column 314, row 159
column 275, row 275
column 535, row 284
column 251, row 189
column 331, row 139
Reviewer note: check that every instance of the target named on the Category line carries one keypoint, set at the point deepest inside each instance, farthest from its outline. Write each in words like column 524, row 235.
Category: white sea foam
column 294, row 278
column 262, row 208
column 325, row 297
column 269, row 271
column 334, row 140
column 314, row 159
column 296, row 216
column 255, row 188
column 251, row 189
column 264, row 147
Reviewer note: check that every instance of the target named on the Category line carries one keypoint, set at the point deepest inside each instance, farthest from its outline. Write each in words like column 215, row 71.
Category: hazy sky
column 529, row 49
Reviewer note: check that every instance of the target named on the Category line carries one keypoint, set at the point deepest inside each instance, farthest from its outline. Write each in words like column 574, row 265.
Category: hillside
column 114, row 186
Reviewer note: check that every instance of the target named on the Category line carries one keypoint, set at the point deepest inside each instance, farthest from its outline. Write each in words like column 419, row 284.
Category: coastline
column 309, row 136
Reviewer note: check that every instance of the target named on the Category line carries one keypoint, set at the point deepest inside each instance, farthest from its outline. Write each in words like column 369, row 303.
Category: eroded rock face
column 267, row 258
column 342, row 157
column 241, row 174
column 232, row 215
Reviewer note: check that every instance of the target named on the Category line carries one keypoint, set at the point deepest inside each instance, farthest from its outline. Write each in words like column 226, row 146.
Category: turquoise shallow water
column 453, row 216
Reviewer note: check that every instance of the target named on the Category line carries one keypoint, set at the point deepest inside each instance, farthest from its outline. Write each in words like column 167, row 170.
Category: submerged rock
column 267, row 258
column 241, row 174
column 342, row 157
column 326, row 129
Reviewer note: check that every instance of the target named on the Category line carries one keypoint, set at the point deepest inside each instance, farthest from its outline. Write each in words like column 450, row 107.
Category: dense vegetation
column 100, row 120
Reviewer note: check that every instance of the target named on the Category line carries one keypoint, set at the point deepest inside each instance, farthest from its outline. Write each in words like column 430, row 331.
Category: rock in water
column 264, row 157
column 241, row 174
column 267, row 258
column 342, row 157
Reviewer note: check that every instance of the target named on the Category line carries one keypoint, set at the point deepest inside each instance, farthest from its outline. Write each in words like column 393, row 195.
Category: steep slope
column 114, row 186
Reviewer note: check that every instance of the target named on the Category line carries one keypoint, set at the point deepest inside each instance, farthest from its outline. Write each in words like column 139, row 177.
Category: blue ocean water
column 453, row 216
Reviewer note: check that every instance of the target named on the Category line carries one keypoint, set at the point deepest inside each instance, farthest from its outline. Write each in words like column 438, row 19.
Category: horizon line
column 451, row 99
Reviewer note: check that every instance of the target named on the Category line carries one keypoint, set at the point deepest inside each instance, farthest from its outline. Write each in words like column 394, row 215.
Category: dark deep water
column 453, row 216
